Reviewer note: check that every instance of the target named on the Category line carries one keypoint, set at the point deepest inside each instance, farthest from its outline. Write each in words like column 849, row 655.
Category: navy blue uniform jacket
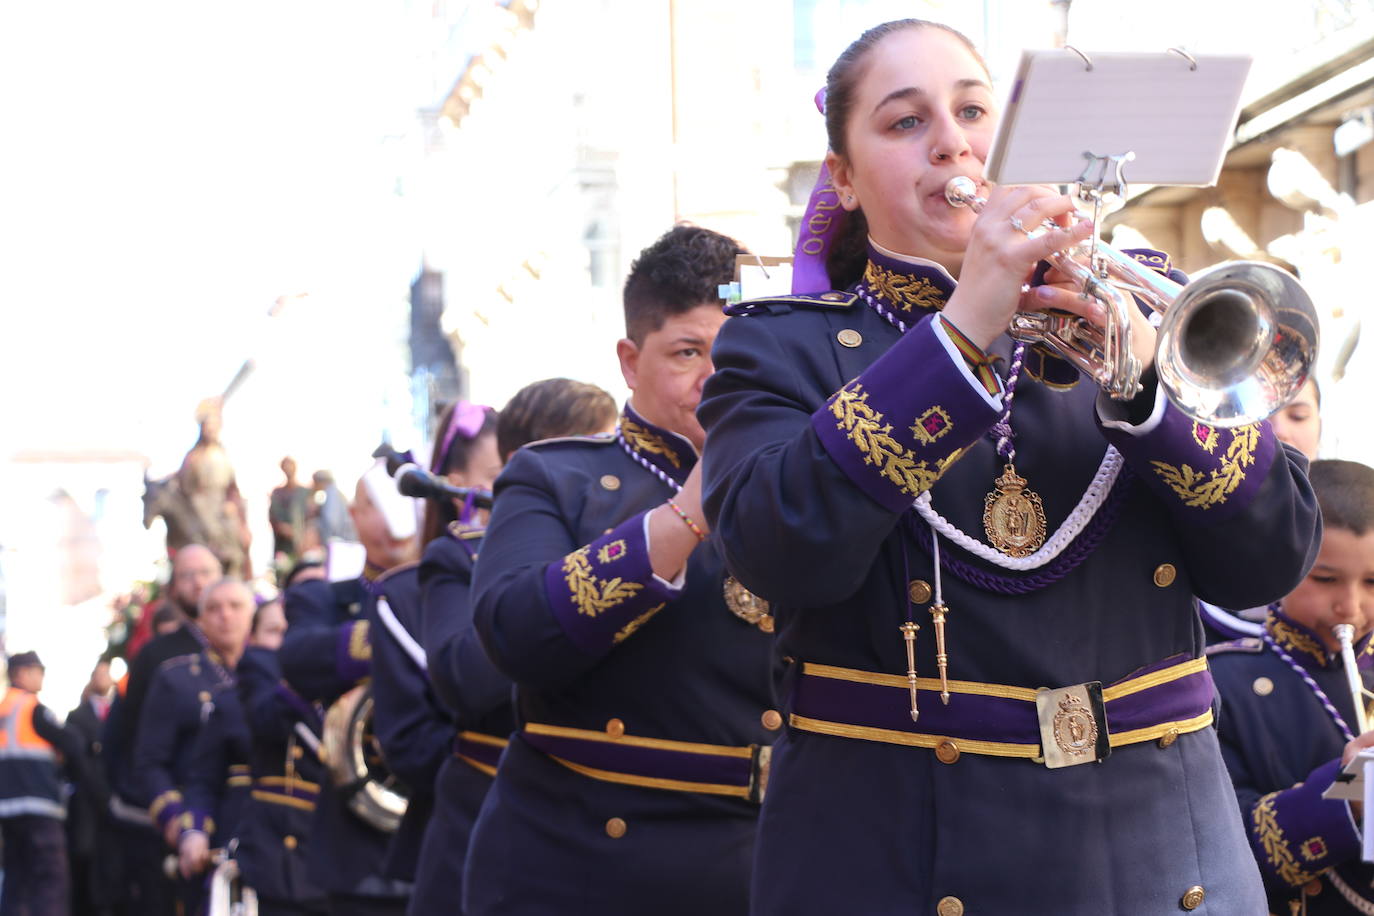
column 327, row 651
column 478, row 700
column 275, row 836
column 1283, row 750
column 569, row 609
column 414, row 730
column 824, row 423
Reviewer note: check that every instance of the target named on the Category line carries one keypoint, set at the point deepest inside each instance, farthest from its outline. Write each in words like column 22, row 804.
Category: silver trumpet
column 1345, row 635
column 1233, row 346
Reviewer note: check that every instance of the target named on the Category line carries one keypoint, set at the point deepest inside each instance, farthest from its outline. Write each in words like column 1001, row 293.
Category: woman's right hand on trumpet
column 1007, row 242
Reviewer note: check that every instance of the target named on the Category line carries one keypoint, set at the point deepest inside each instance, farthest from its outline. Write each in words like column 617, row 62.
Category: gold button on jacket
column 947, row 751
column 950, row 906
column 615, row 828
column 610, row 482
column 1193, row 897
column 849, row 338
column 918, row 591
column 289, row 841
column 615, row 728
column 772, row 720
column 1165, row 574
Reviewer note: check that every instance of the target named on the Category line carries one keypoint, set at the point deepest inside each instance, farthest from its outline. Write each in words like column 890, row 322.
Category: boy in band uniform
column 1288, row 721
column 643, row 703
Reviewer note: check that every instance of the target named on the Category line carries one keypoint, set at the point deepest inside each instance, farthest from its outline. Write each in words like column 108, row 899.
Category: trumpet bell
column 1237, row 344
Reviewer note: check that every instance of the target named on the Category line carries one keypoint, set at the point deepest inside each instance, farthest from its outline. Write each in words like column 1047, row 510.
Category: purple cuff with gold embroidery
column 607, row 588
column 1203, row 473
column 1296, row 833
column 353, row 654
column 166, row 808
column 197, row 820
column 895, row 428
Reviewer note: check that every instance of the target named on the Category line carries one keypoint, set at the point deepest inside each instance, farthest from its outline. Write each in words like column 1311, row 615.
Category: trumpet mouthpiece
column 960, row 191
column 1344, row 633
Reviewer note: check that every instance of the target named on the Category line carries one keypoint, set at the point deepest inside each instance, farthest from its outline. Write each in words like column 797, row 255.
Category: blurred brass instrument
column 1345, row 635
column 356, row 764
column 229, row 896
column 1234, row 345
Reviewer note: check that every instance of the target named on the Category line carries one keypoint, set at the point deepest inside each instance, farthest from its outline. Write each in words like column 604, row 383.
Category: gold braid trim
column 1294, row 640
column 592, row 595
column 359, row 646
column 628, row 630
column 641, row 440
column 1204, row 489
column 900, row 289
column 1276, row 846
column 865, row 428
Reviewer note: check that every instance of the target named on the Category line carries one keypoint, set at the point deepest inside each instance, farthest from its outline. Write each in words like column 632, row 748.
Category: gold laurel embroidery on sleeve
column 1275, row 846
column 1204, row 489
column 641, row 440
column 628, row 630
column 359, row 646
column 900, row 289
column 594, row 596
column 865, row 428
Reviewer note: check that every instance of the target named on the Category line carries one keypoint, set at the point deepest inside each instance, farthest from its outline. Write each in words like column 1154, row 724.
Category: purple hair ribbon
column 467, row 419
column 820, row 226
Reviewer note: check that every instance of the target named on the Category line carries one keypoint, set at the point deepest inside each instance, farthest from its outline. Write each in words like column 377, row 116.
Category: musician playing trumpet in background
column 1289, row 719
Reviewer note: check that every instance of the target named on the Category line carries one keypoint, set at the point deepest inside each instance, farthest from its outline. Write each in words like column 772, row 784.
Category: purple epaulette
column 895, row 428
column 1162, row 701
column 654, row 763
column 482, row 752
column 353, row 654
column 602, row 592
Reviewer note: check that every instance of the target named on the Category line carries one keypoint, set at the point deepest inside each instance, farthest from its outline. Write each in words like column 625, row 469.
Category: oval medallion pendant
column 747, row 606
column 1013, row 517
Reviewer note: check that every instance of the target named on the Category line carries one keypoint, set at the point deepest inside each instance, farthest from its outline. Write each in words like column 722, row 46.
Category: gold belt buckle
column 1073, row 725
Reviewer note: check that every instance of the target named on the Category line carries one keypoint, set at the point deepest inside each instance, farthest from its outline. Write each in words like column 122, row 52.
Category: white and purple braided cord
column 1316, row 690
column 648, row 466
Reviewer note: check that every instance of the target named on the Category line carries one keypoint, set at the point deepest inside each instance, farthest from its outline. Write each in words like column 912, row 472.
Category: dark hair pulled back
column 848, row 254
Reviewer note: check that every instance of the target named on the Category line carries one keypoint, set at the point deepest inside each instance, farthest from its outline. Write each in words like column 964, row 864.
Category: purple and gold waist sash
column 1158, row 703
column 481, row 752
column 655, row 763
column 286, row 790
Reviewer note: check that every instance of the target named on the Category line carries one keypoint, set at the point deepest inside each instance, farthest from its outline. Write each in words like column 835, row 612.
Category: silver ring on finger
column 1018, row 225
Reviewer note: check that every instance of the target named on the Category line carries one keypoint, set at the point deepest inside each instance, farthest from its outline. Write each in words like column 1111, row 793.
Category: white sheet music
column 1178, row 121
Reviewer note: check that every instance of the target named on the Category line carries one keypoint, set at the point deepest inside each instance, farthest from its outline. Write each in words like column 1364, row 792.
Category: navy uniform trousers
column 1283, row 748
column 824, row 423
column 642, row 705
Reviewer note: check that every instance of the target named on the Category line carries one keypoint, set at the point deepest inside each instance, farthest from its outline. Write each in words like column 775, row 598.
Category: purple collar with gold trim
column 663, row 450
